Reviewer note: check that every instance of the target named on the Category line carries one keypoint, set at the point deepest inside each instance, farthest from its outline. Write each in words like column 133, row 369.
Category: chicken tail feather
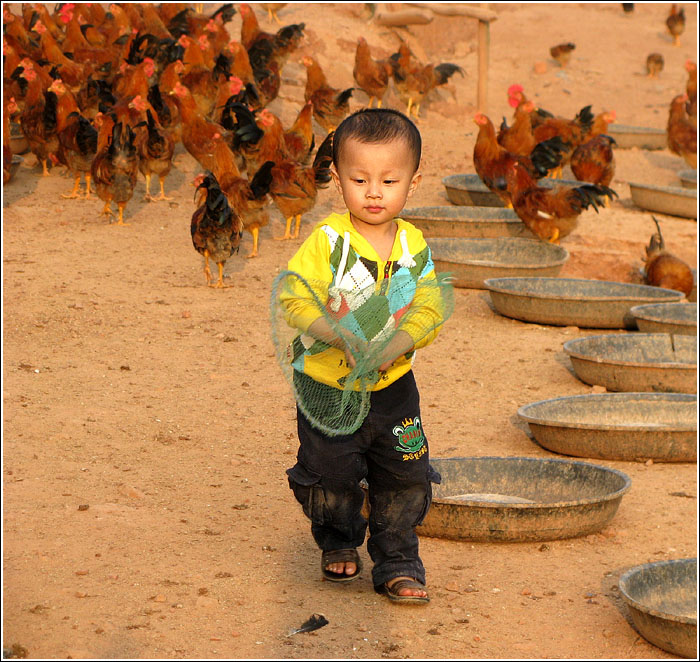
column 547, row 155
column 323, row 160
column 344, row 96
column 585, row 118
column 445, row 70
column 592, row 195
column 262, row 180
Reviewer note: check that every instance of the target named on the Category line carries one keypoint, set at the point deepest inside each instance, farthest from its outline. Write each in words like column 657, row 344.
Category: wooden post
column 484, row 15
column 483, row 83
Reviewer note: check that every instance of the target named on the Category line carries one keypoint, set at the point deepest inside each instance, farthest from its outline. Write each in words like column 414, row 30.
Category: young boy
column 376, row 156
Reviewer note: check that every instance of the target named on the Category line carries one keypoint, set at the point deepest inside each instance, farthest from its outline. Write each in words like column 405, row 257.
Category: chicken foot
column 162, row 196
column 75, row 193
column 106, row 211
column 219, row 283
column 271, row 13
column 121, row 206
column 207, row 271
column 288, row 227
column 255, row 232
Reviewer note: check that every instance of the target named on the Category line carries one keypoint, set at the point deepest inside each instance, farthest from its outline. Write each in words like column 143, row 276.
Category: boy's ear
column 336, row 178
column 417, row 177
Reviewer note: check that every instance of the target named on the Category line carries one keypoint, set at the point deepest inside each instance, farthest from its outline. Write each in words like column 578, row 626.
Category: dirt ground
column 147, row 426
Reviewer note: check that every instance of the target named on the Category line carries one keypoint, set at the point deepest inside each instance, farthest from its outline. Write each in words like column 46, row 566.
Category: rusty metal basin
column 689, row 178
column 518, row 499
column 470, row 222
column 672, row 200
column 18, row 141
column 14, row 167
column 617, row 426
column 662, row 600
column 471, row 191
column 597, row 304
column 667, row 318
column 471, row 261
column 642, row 137
column 636, row 362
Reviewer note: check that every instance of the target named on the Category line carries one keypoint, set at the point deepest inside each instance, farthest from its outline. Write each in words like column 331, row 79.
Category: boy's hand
column 397, row 346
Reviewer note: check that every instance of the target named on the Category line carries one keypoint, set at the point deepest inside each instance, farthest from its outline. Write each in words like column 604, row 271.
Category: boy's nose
column 374, row 192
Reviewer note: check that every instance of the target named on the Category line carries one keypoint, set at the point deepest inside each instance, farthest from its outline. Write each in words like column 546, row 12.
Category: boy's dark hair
column 377, row 126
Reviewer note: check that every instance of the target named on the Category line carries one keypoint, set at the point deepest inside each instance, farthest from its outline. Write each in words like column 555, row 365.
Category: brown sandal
column 340, row 556
column 392, row 592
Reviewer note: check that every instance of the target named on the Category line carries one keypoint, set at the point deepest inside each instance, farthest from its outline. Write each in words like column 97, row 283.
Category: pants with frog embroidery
column 389, row 451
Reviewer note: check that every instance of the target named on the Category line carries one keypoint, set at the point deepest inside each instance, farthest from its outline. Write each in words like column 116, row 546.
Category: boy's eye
column 357, row 180
column 390, row 181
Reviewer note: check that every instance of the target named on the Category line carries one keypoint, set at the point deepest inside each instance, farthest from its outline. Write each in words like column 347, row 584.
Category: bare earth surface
column 147, row 426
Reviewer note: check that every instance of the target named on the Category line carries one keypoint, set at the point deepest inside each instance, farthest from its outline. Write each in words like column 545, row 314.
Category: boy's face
column 375, row 180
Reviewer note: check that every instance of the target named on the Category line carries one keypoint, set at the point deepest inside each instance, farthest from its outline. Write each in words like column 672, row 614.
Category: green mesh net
column 334, row 365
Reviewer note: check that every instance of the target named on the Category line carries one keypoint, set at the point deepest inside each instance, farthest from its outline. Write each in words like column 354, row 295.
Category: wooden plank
column 449, row 9
column 404, row 17
column 483, row 64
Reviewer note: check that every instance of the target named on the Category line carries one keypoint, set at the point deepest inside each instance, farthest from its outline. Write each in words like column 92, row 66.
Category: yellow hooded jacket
column 337, row 261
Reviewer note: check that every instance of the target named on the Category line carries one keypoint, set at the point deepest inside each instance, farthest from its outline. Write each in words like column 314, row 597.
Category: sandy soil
column 147, row 426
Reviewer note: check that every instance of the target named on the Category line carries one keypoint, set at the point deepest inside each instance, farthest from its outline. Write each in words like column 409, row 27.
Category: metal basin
column 636, row 362
column 471, row 261
column 642, row 137
column 596, row 304
column 470, row 222
column 672, row 200
column 662, row 599
column 667, row 318
column 14, row 167
column 517, row 499
column 689, row 178
column 617, row 426
column 18, row 142
column 470, row 190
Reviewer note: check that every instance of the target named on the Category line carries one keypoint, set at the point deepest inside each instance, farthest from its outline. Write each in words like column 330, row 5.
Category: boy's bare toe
column 342, row 568
column 341, row 565
column 407, row 590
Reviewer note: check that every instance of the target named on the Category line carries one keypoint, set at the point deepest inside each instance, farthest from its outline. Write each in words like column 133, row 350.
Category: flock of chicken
column 110, row 93
column 537, row 144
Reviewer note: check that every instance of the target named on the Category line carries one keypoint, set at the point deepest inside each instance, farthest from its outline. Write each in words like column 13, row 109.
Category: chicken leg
column 554, row 239
column 207, row 271
column 121, row 206
column 148, row 187
column 75, row 193
column 162, row 196
column 161, row 181
column 106, row 211
column 271, row 13
column 220, row 283
column 296, row 227
column 287, row 230
column 255, row 232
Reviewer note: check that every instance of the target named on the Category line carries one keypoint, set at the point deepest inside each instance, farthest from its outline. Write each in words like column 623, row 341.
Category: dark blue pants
column 390, row 451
